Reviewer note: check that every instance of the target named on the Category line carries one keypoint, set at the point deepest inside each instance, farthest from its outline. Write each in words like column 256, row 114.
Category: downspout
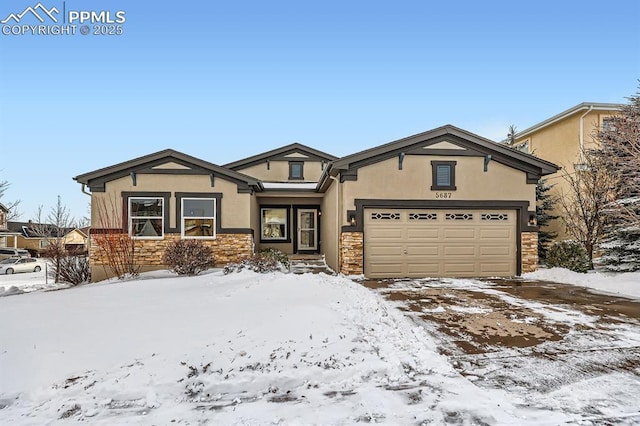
column 582, row 133
column 337, row 181
column 84, row 191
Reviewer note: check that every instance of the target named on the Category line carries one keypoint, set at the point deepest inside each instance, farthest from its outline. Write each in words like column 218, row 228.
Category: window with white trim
column 273, row 223
column 146, row 217
column 199, row 217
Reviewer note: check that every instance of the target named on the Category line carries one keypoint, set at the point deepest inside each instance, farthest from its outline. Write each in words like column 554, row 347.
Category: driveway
column 547, row 345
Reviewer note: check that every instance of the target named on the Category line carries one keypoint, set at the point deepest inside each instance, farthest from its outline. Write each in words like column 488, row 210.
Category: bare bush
column 188, row 257
column 268, row 260
column 74, row 270
column 113, row 243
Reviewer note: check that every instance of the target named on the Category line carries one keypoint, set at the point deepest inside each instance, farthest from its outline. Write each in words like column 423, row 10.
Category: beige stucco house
column 7, row 236
column 444, row 202
column 37, row 237
column 561, row 139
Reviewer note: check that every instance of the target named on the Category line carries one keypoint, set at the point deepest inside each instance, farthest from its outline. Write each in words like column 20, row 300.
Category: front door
column 307, row 230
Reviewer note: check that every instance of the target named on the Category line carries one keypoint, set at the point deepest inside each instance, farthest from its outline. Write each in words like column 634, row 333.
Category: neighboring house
column 561, row 139
column 7, row 237
column 441, row 203
column 37, row 237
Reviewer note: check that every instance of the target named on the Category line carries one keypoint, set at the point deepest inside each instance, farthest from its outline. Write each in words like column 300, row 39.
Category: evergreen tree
column 511, row 135
column 545, row 204
column 620, row 150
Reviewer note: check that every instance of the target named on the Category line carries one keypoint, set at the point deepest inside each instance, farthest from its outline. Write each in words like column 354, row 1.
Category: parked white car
column 14, row 265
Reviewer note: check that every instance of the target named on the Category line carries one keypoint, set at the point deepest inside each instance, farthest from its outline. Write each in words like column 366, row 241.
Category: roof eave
column 569, row 112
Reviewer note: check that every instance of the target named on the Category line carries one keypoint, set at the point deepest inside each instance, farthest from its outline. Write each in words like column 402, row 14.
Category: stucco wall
column 329, row 229
column 235, row 213
column 560, row 143
column 278, row 171
column 383, row 180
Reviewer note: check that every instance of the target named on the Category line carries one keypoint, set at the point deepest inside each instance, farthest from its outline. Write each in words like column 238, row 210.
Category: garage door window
column 443, row 175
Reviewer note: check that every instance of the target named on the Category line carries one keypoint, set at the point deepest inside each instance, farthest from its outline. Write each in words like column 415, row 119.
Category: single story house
column 445, row 202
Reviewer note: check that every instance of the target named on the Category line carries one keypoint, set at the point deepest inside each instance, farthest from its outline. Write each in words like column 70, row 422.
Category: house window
column 443, row 175
column 608, row 124
column 198, row 217
column 296, row 170
column 274, row 223
column 44, row 244
column 146, row 217
column 523, row 147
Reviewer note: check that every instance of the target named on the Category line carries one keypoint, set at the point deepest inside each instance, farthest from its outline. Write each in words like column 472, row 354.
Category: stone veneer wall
column 352, row 253
column 227, row 248
column 529, row 247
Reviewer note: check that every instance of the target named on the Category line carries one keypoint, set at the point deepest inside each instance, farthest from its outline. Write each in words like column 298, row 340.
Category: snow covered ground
column 624, row 284
column 243, row 349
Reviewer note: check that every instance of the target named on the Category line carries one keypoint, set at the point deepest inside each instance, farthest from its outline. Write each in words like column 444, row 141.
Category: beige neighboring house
column 445, row 202
column 560, row 140
column 28, row 235
column 7, row 237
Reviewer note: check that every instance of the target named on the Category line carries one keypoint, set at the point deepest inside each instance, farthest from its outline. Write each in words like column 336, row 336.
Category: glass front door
column 307, row 229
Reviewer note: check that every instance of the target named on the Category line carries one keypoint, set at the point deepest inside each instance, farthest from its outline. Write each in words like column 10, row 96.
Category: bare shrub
column 112, row 242
column 74, row 269
column 188, row 257
column 268, row 260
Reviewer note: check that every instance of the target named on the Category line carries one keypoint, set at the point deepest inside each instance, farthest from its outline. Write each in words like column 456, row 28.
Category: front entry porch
column 293, row 228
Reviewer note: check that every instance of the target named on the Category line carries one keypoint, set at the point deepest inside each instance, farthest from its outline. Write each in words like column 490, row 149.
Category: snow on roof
column 289, row 185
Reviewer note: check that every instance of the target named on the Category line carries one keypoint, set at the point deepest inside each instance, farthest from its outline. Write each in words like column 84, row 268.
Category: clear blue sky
column 226, row 80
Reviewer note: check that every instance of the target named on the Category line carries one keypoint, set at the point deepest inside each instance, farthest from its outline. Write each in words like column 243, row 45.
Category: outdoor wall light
column 533, row 221
column 352, row 218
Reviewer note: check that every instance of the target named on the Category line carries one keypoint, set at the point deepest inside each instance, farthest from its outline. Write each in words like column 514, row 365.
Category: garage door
column 439, row 243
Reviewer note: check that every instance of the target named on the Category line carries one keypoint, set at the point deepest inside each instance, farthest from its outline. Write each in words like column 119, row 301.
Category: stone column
column 352, row 253
column 529, row 248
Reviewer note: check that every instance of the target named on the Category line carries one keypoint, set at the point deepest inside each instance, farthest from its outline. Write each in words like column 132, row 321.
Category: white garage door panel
column 459, row 234
column 421, row 243
column 423, row 234
column 501, row 250
column 496, row 234
column 432, row 250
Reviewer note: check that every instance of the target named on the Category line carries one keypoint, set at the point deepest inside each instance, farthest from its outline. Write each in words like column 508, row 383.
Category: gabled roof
column 37, row 230
column 97, row 178
column 500, row 153
column 3, row 207
column 584, row 106
column 280, row 154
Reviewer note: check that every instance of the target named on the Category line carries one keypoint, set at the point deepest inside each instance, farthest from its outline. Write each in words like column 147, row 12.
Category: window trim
column 287, row 238
column 296, row 163
column 434, row 175
column 214, row 217
column 131, row 217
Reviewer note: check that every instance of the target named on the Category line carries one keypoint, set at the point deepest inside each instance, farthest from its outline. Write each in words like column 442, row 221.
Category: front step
column 308, row 263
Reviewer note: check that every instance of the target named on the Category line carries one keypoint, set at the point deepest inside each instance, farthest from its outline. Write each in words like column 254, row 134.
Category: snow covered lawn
column 237, row 349
column 269, row 349
column 624, row 284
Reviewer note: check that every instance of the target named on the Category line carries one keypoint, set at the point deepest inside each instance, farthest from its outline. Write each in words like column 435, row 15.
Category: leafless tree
column 11, row 206
column 590, row 192
column 53, row 229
